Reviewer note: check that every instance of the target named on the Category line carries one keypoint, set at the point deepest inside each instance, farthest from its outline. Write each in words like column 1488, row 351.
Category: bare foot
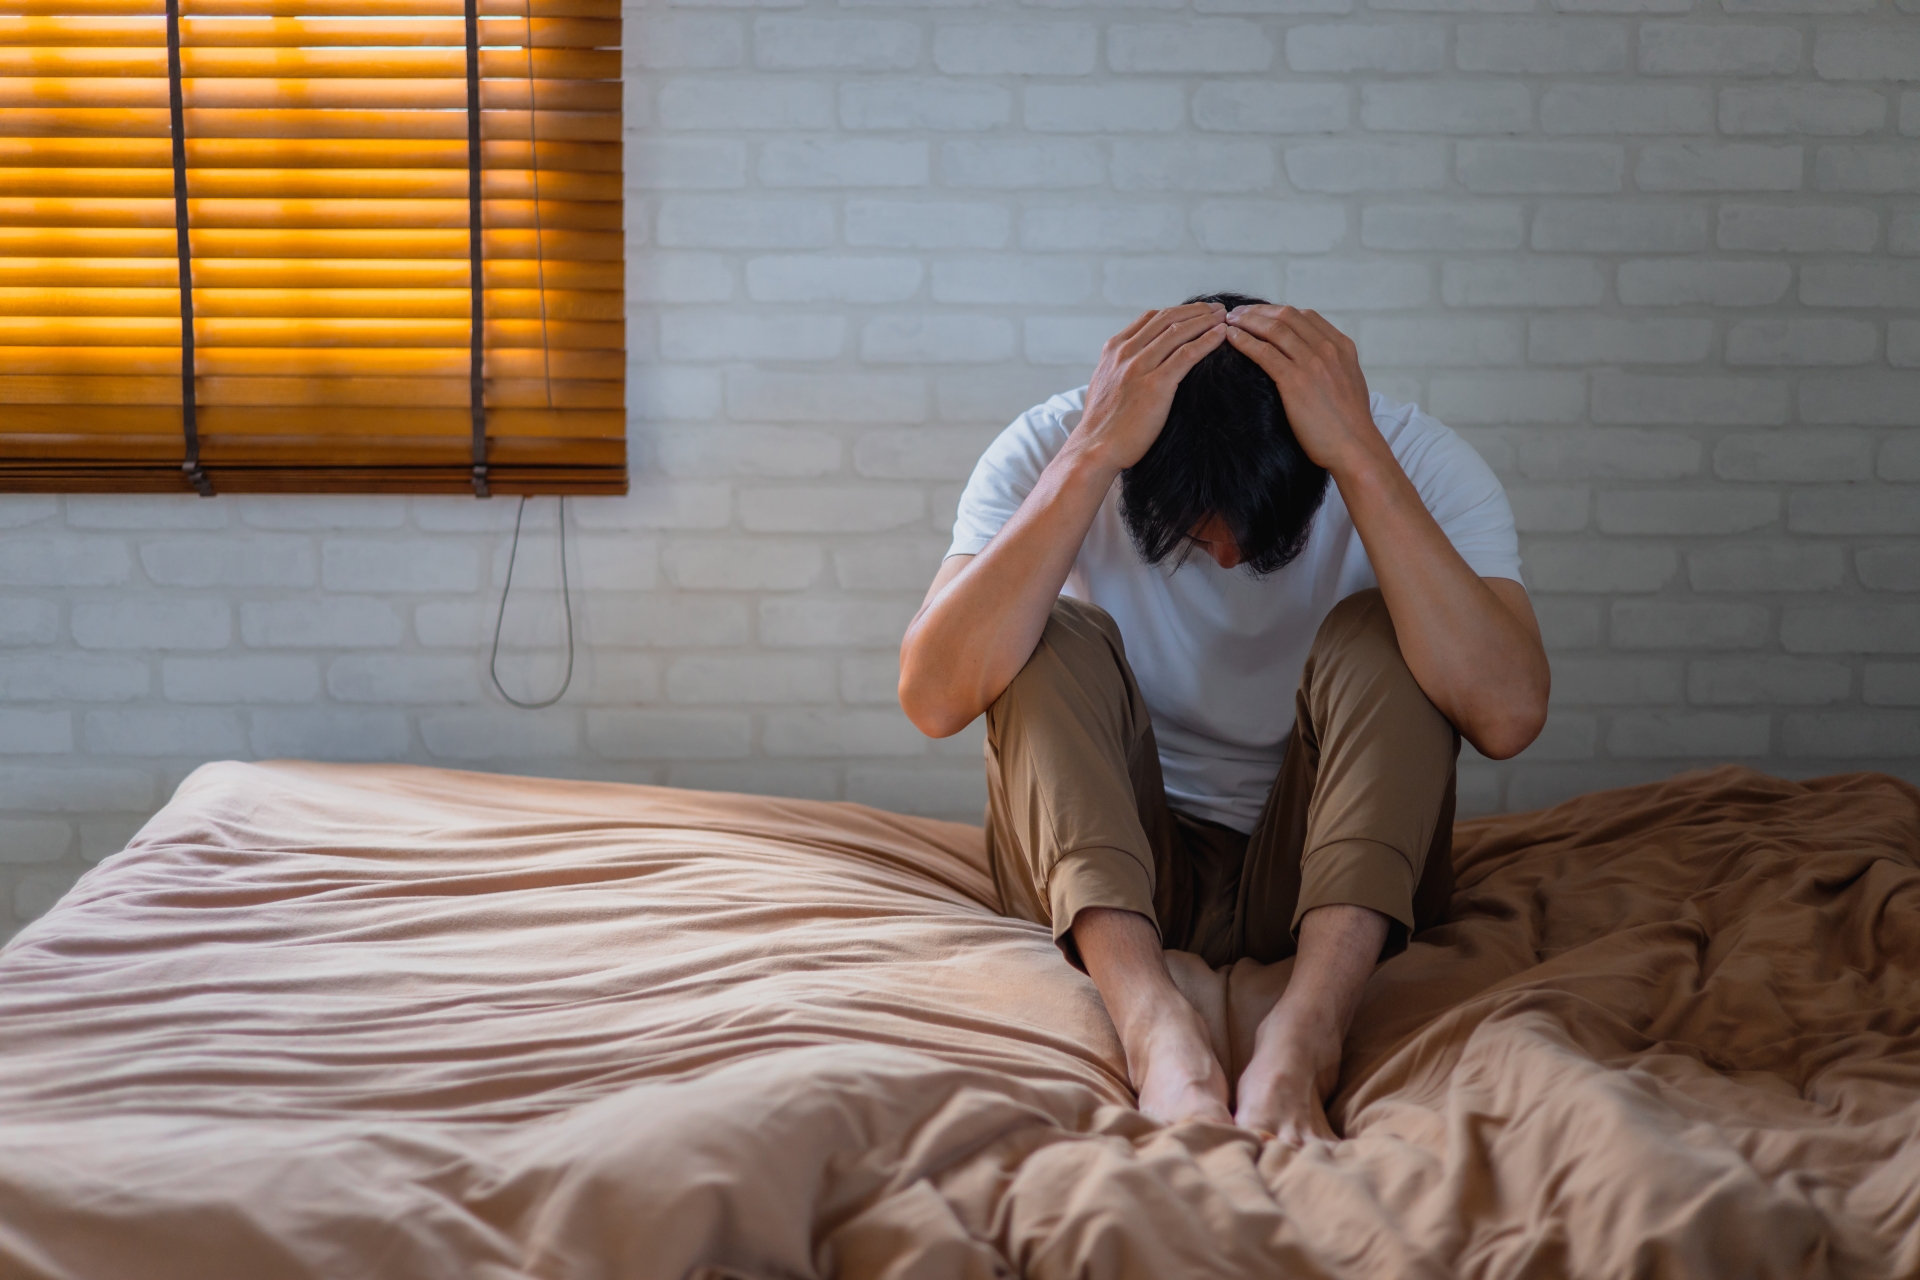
column 1293, row 1068
column 1169, row 1055
column 1173, row 1066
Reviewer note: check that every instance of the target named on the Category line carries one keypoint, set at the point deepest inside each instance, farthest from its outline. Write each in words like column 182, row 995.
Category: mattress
column 373, row 1021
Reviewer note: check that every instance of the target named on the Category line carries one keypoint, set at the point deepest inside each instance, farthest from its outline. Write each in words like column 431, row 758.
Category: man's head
column 1226, row 475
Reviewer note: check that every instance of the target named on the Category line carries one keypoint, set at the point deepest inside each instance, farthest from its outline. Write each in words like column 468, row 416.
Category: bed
column 337, row 1020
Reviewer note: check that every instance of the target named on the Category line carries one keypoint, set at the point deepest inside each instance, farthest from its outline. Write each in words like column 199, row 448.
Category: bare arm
column 1472, row 642
column 983, row 615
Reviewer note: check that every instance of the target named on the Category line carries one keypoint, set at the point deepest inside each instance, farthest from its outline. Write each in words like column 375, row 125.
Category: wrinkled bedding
column 333, row 1020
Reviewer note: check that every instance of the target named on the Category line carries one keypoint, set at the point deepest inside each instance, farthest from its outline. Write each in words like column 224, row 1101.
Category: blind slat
column 317, row 303
column 205, row 32
column 607, row 9
column 424, row 362
column 314, row 273
column 264, row 92
column 277, row 124
column 238, row 424
column 264, row 331
column 129, row 242
column 89, row 301
column 80, row 389
column 135, row 273
column 273, row 331
column 315, row 184
column 405, row 393
column 115, row 361
column 305, row 153
column 211, row 214
column 308, row 62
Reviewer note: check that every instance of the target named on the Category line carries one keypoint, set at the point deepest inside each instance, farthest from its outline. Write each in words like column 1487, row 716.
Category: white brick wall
column 1659, row 260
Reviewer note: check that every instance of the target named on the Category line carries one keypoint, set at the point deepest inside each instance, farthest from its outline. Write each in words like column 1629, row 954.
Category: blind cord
column 566, row 599
column 546, row 359
column 190, row 467
column 476, row 267
column 539, row 228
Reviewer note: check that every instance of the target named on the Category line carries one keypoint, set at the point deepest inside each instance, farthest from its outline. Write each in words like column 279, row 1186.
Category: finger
column 1276, row 362
column 1288, row 330
column 1322, row 326
column 1245, row 339
column 1188, row 311
column 1272, row 323
column 1259, row 313
column 1157, row 323
column 1173, row 317
column 1193, row 351
column 1139, row 322
column 1319, row 333
column 1174, row 336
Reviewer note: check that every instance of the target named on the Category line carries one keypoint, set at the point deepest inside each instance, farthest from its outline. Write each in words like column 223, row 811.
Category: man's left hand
column 1317, row 370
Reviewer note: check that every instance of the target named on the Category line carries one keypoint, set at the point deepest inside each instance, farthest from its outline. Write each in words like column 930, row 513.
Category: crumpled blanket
column 374, row 1021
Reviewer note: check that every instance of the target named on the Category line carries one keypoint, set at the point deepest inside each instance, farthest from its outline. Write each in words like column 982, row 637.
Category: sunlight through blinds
column 311, row 245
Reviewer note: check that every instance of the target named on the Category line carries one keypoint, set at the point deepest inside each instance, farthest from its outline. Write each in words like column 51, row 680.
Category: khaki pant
column 1361, row 812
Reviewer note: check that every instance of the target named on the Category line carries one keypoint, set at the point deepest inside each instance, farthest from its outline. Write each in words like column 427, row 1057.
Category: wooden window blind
column 311, row 245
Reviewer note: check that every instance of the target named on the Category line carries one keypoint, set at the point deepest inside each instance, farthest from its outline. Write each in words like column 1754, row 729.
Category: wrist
column 1085, row 459
column 1365, row 463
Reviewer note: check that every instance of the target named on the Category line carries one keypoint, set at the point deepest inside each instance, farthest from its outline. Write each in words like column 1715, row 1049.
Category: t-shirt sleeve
column 1008, row 470
column 1465, row 497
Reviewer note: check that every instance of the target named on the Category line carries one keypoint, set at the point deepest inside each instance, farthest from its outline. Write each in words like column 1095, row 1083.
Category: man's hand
column 1140, row 367
column 1317, row 370
column 984, row 614
column 1471, row 642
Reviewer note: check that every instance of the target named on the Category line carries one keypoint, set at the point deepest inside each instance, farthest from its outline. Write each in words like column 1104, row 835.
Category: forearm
column 983, row 616
column 1476, row 656
column 1475, row 650
column 975, row 632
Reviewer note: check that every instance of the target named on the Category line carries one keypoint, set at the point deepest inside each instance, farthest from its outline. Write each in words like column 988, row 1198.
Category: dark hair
column 1227, row 450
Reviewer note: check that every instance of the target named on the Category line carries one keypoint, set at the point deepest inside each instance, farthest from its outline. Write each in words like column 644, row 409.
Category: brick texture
column 1658, row 260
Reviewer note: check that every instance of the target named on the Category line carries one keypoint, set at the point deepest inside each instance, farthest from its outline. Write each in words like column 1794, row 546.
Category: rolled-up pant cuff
column 1096, row 877
column 1361, row 873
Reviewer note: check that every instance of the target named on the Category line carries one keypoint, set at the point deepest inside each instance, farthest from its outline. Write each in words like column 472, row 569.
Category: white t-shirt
column 1218, row 654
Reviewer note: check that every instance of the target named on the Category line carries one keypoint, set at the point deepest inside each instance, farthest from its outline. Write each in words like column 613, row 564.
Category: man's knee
column 1356, row 668
column 1359, row 631
column 1080, row 642
column 1362, row 613
column 1076, row 622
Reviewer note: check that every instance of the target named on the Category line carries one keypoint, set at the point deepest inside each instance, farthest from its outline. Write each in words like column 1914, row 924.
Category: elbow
column 932, row 719
column 929, row 705
column 1506, row 740
column 1512, row 727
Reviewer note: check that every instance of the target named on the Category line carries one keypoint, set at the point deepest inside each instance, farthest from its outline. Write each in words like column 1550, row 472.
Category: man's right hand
column 984, row 614
column 1140, row 368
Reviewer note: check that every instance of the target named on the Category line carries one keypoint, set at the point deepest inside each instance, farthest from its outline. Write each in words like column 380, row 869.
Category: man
column 1234, row 733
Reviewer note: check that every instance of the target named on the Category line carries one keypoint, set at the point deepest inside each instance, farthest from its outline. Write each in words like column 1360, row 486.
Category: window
column 311, row 245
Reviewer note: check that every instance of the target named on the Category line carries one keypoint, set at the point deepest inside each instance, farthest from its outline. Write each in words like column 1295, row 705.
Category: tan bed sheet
column 372, row 1022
